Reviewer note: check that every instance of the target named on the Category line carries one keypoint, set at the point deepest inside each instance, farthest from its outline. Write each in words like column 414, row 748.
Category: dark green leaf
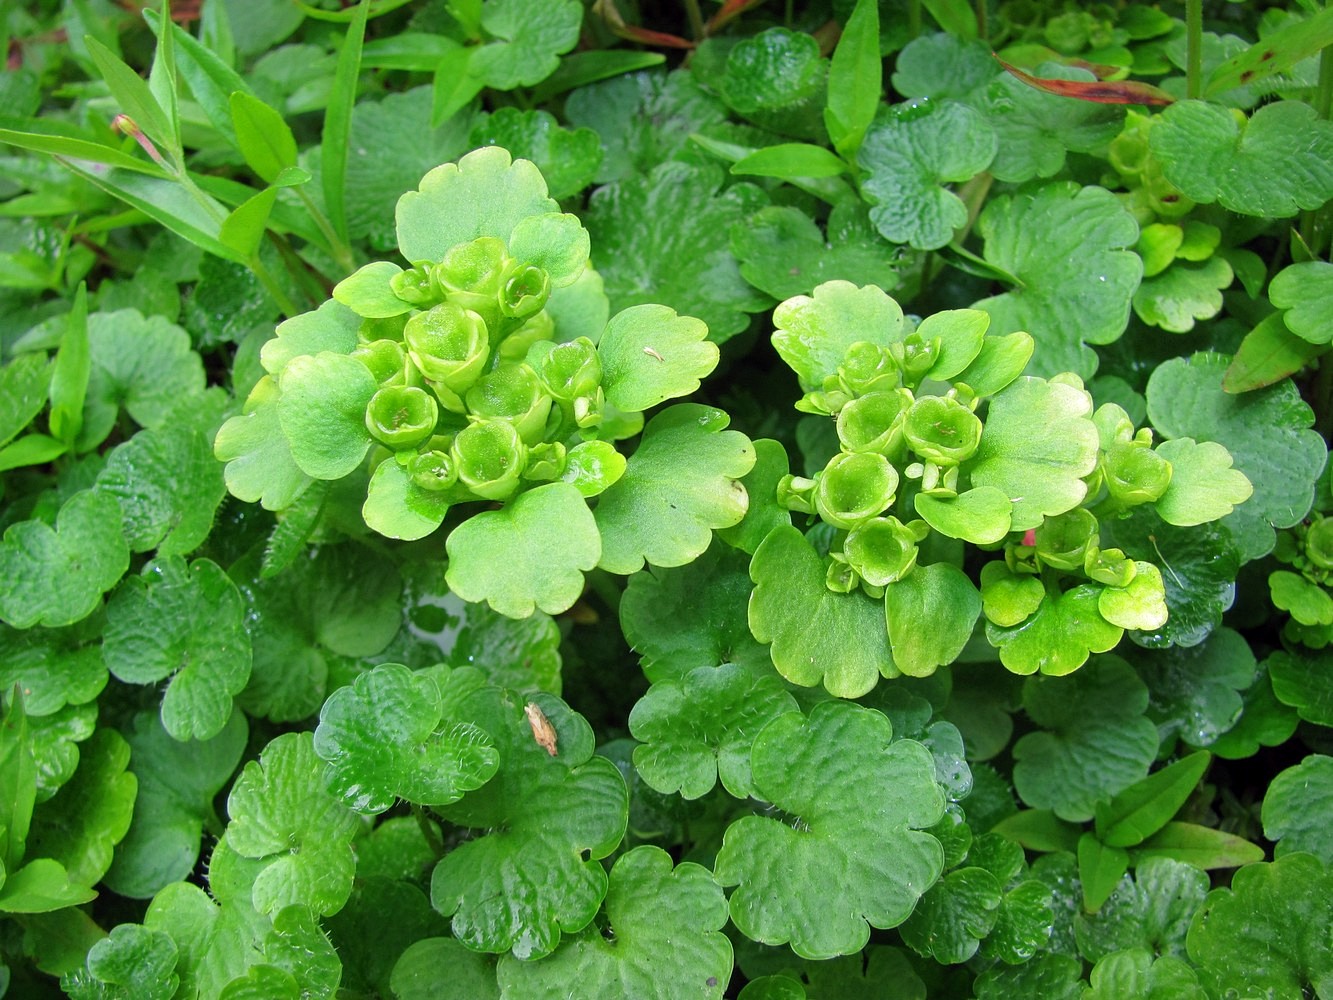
column 70, row 374
column 529, row 36
column 1152, row 909
column 1139, row 811
column 568, row 159
column 1099, row 870
column 784, row 253
column 855, row 79
column 335, row 145
column 265, row 139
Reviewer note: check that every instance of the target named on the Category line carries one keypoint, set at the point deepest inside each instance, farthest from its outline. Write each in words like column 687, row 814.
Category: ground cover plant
column 525, row 498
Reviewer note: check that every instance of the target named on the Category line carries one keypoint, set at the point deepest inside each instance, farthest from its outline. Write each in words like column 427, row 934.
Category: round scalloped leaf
column 909, row 154
column 57, row 576
column 1151, row 910
column 856, row 802
column 282, row 816
column 774, row 71
column 981, row 515
column 812, row 332
column 59, row 667
column 1308, row 603
column 260, row 467
column 1303, row 679
column 1204, row 487
column 942, row 595
column 1267, row 432
column 555, row 242
column 680, row 618
column 531, row 554
column 1297, row 806
column 422, row 971
column 1022, row 923
column 1037, row 445
column 484, row 194
column 530, row 35
column 177, row 785
column 537, row 873
column 1068, row 247
column 663, row 941
column 389, row 735
column 568, row 159
column 396, row 507
column 1095, row 742
column 186, row 623
column 1182, row 294
column 1268, row 933
column 953, row 916
column 943, row 65
column 132, row 961
column 1275, row 164
column 699, row 729
column 839, row 639
column 1139, row 605
column 1051, row 977
column 1137, row 973
column 322, row 411
column 331, row 327
column 55, row 745
column 680, row 484
column 649, row 354
column 1195, row 691
column 1305, row 291
column 1058, row 639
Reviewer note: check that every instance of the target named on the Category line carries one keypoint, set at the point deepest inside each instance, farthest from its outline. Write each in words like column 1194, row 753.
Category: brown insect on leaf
column 542, row 730
column 653, row 354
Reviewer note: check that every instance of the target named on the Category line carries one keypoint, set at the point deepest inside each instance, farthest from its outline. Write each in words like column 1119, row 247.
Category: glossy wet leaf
column 57, row 575
column 1267, row 433
column 131, row 961
column 1069, row 248
column 777, row 79
column 1137, row 973
column 183, row 624
column 681, row 484
column 908, row 155
column 424, row 967
column 1196, row 691
column 282, row 816
column 23, row 392
column 840, row 639
column 392, row 735
column 664, row 939
column 700, row 729
column 1301, row 679
column 1275, row 164
column 536, row 874
column 819, row 771
column 1095, row 740
column 954, row 916
column 783, row 251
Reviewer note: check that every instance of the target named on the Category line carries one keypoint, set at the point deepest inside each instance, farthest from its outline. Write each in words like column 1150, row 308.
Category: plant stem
column 1315, row 223
column 428, row 830
column 1193, row 48
column 913, row 18
column 275, row 290
column 696, row 20
column 342, row 253
column 983, row 26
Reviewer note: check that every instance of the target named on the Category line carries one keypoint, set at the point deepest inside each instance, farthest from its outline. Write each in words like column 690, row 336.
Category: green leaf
column 70, row 374
column 322, row 411
column 484, row 194
column 426, row 964
column 1138, row 974
column 1296, row 806
column 81, row 824
column 813, row 332
column 368, row 944
column 1139, row 811
column 663, row 238
column 567, row 158
column 982, row 515
column 953, row 916
column 649, row 354
column 58, row 576
column 680, row 485
column 532, row 554
column 282, row 816
column 24, row 385
column 55, row 745
column 259, row 463
column 1182, row 294
column 73, row 148
column 1095, row 741
column 663, row 935
column 132, row 961
column 942, row 595
column 1204, row 487
column 1302, row 679
column 943, row 65
column 331, row 327
column 1269, row 353
column 167, row 481
column 784, row 253
column 1051, row 977
column 1277, row 52
column 41, row 886
column 53, row 667
column 839, row 639
column 817, row 770
column 264, row 138
column 133, row 96
column 777, row 80
column 177, row 784
column 334, row 145
column 369, row 291
column 1038, row 444
column 393, row 734
column 185, row 625
column 578, row 69
column 1099, row 870
column 1068, row 247
column 529, row 36
column 908, row 155
column 1151, row 909
column 1275, row 164
column 676, row 619
column 397, row 507
column 700, row 728
column 18, row 783
column 1039, row 830
column 855, row 79
column 1195, row 690
column 1266, row 431
column 790, row 159
column 536, row 874
column 1305, row 291
column 1267, row 933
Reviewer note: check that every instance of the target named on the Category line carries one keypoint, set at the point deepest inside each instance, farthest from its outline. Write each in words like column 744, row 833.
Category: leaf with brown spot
column 1097, row 91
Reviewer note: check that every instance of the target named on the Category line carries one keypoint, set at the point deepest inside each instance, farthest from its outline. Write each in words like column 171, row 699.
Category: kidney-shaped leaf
column 812, row 332
column 1296, row 808
column 856, row 803
column 649, row 354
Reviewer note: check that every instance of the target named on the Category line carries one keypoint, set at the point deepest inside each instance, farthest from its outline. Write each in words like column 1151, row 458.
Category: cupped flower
column 571, row 370
column 882, row 550
column 490, row 457
column 384, row 358
column 1134, row 473
column 853, row 488
column 942, row 430
column 875, row 422
column 512, row 392
column 1063, row 540
column 434, row 471
column 471, row 274
column 448, row 344
column 524, row 290
column 401, row 416
column 415, row 286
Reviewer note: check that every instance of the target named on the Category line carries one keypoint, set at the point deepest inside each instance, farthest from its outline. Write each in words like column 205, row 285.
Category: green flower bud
column 571, row 370
column 882, row 550
column 854, row 487
column 1063, row 540
column 867, row 367
column 545, row 461
column 524, row 290
column 1109, row 566
column 512, row 392
column 448, row 344
column 1135, row 474
column 535, row 329
column 942, row 430
column 470, row 274
column 797, row 493
column 490, row 457
column 589, row 410
column 839, row 577
column 915, row 356
column 435, row 471
column 874, row 422
column 414, row 285
column 1319, row 543
column 384, row 358
column 401, row 416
